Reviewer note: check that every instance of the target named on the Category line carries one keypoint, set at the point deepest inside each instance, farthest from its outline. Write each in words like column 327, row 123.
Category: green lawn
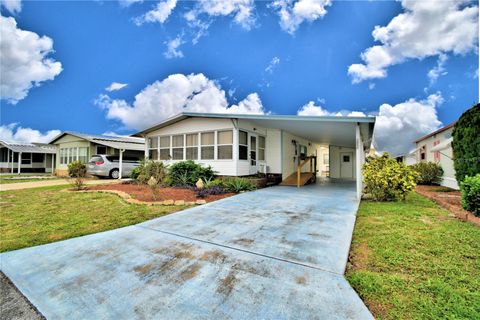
column 7, row 178
column 410, row 260
column 36, row 216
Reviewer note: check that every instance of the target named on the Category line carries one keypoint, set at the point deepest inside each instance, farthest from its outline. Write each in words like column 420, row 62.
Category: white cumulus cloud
column 24, row 62
column 14, row 133
column 173, row 50
column 399, row 125
column 425, row 28
column 311, row 109
column 172, row 95
column 159, row 14
column 241, row 10
column 438, row 70
column 13, row 6
column 273, row 64
column 114, row 86
column 294, row 13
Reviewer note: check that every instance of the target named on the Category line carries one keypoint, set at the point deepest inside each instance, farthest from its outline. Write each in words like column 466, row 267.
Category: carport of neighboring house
column 73, row 146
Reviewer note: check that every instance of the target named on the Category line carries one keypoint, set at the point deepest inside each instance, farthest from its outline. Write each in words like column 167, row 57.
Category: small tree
column 466, row 144
column 77, row 171
column 387, row 180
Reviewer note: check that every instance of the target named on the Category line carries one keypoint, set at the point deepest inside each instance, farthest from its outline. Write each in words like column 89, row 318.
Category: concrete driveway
column 277, row 253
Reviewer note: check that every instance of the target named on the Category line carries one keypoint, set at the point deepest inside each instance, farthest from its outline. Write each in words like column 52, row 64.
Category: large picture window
column 207, row 145
column 191, row 150
column 165, row 148
column 225, row 145
column 153, row 148
column 261, row 148
column 83, row 154
column 177, row 147
column 242, row 145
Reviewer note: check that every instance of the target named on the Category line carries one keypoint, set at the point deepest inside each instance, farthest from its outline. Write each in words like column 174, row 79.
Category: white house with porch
column 26, row 157
column 296, row 149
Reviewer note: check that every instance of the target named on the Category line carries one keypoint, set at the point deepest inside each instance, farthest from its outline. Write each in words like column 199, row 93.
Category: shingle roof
column 29, row 147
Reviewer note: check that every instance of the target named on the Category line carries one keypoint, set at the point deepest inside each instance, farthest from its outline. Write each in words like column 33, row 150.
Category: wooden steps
column 291, row 180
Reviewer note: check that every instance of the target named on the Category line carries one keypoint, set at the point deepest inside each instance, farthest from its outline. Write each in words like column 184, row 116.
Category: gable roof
column 436, row 132
column 29, row 147
column 117, row 142
column 185, row 115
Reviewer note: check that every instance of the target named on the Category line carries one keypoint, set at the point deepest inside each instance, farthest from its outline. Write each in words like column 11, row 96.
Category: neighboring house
column 26, row 157
column 242, row 145
column 71, row 146
column 437, row 147
column 409, row 158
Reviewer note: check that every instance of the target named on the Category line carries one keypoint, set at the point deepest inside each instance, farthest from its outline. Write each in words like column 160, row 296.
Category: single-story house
column 245, row 144
column 26, row 157
column 437, row 147
column 71, row 146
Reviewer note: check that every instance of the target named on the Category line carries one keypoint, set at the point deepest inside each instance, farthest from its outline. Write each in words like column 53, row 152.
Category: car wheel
column 114, row 174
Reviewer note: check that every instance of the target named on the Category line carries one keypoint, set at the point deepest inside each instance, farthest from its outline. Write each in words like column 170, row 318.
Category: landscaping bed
column 144, row 193
column 449, row 199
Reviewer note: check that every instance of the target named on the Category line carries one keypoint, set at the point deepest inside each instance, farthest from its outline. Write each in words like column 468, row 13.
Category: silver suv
column 108, row 166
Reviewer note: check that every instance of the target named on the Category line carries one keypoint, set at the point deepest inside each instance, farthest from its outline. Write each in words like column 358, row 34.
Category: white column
column 19, row 162
column 358, row 162
column 8, row 159
column 53, row 164
column 120, row 162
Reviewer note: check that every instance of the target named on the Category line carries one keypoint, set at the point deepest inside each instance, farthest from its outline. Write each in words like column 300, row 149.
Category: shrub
column 204, row 192
column 387, row 180
column 187, row 173
column 153, row 169
column 470, row 188
column 466, row 144
column 428, row 172
column 135, row 173
column 237, row 185
column 77, row 170
column 209, row 183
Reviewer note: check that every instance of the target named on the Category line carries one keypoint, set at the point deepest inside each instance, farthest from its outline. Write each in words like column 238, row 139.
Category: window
column 436, row 154
column 346, row 158
column 261, row 148
column 191, row 151
column 73, row 156
column 165, row 148
column 37, row 157
column 177, row 147
column 225, row 145
column 207, row 145
column 153, row 148
column 4, row 154
column 101, row 150
column 423, row 153
column 253, row 150
column 26, row 158
column 62, row 156
column 83, row 154
column 326, row 159
column 242, row 145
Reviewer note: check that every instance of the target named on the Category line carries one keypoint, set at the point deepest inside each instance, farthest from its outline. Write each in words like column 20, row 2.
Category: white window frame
column 169, row 148
column 245, row 145
column 264, row 148
column 217, row 145
column 179, row 147
column 208, row 145
column 193, row 146
column 153, row 148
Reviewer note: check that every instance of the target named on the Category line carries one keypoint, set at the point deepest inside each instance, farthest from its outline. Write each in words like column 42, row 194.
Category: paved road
column 277, row 253
column 49, row 183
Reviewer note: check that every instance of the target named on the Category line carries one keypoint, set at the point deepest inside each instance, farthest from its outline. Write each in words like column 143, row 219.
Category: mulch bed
column 448, row 199
column 144, row 193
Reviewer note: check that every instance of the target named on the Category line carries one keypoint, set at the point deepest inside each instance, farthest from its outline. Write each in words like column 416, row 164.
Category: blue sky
column 261, row 62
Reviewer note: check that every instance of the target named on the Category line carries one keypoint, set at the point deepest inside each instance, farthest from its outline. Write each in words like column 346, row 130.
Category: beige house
column 294, row 148
column 437, row 147
column 71, row 146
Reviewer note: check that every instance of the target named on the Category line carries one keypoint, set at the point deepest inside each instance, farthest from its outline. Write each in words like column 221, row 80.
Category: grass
column 37, row 216
column 411, row 260
column 7, row 178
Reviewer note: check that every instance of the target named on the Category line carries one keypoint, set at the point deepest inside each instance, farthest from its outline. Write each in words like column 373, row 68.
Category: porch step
column 291, row 180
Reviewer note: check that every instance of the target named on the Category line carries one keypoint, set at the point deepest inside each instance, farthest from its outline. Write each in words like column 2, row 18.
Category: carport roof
column 332, row 130
column 29, row 147
column 116, row 142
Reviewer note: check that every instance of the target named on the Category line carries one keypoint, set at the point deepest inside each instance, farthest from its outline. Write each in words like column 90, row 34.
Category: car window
column 95, row 159
column 112, row 158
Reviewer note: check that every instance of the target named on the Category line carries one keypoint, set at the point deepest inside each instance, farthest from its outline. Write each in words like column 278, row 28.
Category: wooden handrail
column 300, row 166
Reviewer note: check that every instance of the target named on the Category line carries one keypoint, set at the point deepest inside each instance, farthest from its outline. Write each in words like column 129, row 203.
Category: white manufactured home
column 26, row 157
column 294, row 148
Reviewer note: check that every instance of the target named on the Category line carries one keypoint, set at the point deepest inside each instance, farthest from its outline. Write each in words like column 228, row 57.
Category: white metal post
column 120, row 164
column 53, row 163
column 19, row 162
column 358, row 162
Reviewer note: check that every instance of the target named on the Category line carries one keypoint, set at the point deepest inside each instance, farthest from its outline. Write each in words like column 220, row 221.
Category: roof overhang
column 29, row 148
column 331, row 130
column 121, row 145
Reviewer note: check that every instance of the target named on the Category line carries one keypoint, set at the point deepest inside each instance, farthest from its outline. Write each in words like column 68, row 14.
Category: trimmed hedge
column 470, row 188
column 466, row 144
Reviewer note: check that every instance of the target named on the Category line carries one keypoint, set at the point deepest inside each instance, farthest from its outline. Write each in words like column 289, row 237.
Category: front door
column 253, row 155
column 346, row 165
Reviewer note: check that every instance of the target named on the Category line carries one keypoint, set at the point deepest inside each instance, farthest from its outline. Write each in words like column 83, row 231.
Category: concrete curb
column 127, row 198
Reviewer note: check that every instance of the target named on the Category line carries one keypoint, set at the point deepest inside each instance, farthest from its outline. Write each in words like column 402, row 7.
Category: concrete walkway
column 56, row 182
column 277, row 253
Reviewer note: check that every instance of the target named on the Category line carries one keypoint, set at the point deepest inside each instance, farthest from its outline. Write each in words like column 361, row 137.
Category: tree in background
column 466, row 144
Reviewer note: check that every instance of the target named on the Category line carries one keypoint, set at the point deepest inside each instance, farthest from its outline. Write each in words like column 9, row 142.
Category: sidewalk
column 38, row 184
